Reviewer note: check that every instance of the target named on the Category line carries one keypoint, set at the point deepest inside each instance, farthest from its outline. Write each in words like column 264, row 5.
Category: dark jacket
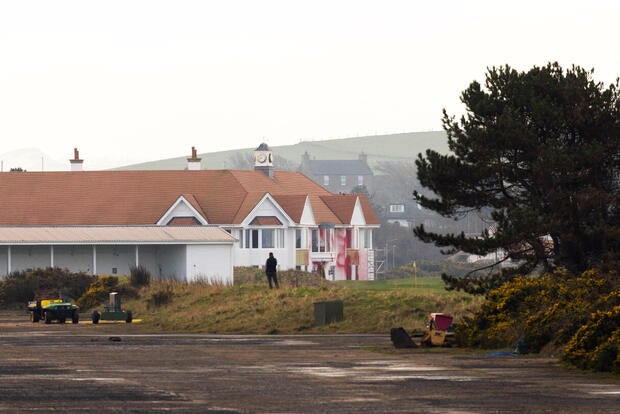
column 270, row 264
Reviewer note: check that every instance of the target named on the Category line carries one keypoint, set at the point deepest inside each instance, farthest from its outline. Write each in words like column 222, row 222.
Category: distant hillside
column 31, row 159
column 393, row 147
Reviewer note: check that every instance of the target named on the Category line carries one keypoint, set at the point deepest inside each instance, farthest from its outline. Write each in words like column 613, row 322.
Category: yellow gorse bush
column 578, row 315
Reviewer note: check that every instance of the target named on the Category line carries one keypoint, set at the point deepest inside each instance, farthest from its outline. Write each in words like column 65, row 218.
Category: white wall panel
column 74, row 258
column 211, row 263
column 172, row 260
column 115, row 260
column 29, row 257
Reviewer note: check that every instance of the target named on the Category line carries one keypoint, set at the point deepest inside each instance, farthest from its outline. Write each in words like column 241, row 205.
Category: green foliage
column 139, row 276
column 50, row 282
column 538, row 150
column 579, row 314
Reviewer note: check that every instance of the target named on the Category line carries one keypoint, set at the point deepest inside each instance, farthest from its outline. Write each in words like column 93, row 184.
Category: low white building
column 190, row 224
column 194, row 253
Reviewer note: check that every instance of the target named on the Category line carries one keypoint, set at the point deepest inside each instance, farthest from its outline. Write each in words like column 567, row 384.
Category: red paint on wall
column 343, row 262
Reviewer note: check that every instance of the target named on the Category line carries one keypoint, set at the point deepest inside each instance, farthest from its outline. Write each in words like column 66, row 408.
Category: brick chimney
column 76, row 162
column 193, row 163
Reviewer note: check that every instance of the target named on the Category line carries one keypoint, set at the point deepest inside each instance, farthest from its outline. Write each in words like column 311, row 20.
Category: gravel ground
column 123, row 368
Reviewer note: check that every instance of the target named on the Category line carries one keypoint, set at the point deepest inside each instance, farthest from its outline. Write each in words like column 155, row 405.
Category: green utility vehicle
column 53, row 310
column 112, row 311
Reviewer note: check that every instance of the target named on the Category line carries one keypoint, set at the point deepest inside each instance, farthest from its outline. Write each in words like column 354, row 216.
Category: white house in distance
column 189, row 224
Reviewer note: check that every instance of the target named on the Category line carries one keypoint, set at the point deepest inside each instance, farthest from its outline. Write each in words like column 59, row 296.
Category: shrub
column 577, row 314
column 160, row 298
column 596, row 345
column 98, row 292
column 139, row 276
column 22, row 286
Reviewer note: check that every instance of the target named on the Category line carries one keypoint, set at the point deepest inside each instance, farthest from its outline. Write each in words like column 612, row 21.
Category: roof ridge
column 234, row 216
column 333, row 196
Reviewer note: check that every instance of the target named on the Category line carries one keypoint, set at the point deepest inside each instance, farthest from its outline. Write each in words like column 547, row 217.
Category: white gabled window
column 326, row 180
column 360, row 180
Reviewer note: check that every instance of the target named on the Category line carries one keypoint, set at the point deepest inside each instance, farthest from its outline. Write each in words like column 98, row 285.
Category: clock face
column 261, row 157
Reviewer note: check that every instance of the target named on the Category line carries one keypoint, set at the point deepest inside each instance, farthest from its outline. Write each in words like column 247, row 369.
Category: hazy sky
column 130, row 81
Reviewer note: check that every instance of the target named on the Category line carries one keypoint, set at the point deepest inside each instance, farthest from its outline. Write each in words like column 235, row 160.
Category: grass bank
column 250, row 307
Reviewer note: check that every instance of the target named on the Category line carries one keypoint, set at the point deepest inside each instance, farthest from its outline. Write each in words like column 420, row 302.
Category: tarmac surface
column 122, row 368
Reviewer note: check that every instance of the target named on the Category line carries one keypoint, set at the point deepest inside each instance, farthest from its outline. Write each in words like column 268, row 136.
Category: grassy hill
column 250, row 307
column 379, row 148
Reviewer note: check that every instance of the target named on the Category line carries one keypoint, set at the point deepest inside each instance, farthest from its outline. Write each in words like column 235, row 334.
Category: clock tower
column 263, row 160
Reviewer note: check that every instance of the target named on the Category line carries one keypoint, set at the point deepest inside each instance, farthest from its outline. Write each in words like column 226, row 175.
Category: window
column 368, row 238
column 315, row 240
column 321, row 240
column 268, row 238
column 360, row 180
column 298, row 239
column 343, row 180
column 251, row 239
column 397, row 208
column 326, row 180
column 262, row 238
column 365, row 238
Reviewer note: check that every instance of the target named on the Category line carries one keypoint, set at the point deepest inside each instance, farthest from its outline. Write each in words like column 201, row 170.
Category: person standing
column 270, row 269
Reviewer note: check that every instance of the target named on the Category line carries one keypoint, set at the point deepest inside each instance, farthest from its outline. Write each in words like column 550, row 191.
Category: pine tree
column 540, row 151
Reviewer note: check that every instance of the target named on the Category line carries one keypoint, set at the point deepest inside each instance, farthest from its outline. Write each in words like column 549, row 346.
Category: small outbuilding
column 186, row 253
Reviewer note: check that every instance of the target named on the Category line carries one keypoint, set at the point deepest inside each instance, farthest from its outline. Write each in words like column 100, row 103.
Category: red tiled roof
column 369, row 212
column 342, row 205
column 266, row 221
column 142, row 197
column 292, row 204
column 183, row 221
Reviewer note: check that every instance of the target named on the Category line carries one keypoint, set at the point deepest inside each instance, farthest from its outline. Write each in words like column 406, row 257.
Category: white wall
column 148, row 257
column 209, row 262
column 212, row 263
column 173, row 262
column 4, row 254
column 74, row 258
column 119, row 258
column 29, row 257
column 257, row 257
